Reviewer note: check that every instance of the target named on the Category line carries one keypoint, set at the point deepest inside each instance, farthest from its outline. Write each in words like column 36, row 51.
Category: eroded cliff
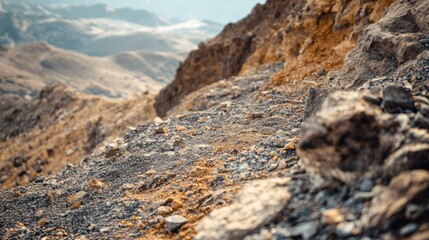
column 311, row 37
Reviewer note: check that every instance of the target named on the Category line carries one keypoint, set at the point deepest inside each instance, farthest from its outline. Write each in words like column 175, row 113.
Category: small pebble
column 332, row 216
column 175, row 222
column 345, row 229
column 408, row 229
column 273, row 167
column 366, row 185
column 104, row 230
column 164, row 211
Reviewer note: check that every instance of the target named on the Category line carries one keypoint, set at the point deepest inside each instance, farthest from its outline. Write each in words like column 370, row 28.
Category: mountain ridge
column 28, row 68
column 92, row 29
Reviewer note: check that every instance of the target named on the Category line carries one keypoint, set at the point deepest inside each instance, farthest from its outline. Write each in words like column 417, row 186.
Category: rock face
column 318, row 39
column 392, row 42
column 348, row 137
column 352, row 137
column 385, row 52
column 256, row 35
column 308, row 36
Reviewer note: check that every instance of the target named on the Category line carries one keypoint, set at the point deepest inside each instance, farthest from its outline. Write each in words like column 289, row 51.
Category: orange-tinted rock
column 256, row 40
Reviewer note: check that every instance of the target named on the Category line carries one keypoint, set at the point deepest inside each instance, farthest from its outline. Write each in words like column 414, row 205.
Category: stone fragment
column 408, row 229
column 42, row 222
column 176, row 204
column 305, row 230
column 150, row 172
column 92, row 227
column 334, row 147
column 256, row 205
column 76, row 197
column 175, row 222
column 424, row 41
column 346, row 229
column 76, row 205
column 180, row 128
column 273, row 167
column 413, row 211
column 115, row 149
column 332, row 216
column 396, row 97
column 366, row 185
column 390, row 206
column 104, row 230
column 282, row 165
column 96, row 184
column 39, row 213
column 82, row 237
column 291, row 145
column 164, row 211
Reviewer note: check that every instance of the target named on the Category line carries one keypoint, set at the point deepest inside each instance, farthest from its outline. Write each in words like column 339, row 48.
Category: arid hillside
column 310, row 37
column 26, row 69
column 305, row 120
column 42, row 135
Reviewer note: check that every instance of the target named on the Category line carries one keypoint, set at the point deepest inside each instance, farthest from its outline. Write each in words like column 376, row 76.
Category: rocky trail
column 342, row 154
column 185, row 165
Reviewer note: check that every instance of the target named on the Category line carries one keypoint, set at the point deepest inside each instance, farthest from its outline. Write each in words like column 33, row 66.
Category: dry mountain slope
column 239, row 160
column 311, row 37
column 40, row 136
column 26, row 69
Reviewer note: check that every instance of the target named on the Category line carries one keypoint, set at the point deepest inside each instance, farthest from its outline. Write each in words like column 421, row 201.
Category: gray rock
column 396, row 96
column 321, row 146
column 413, row 211
column 366, row 185
column 345, row 229
column 104, row 230
column 408, row 229
column 169, row 145
column 304, row 230
column 273, row 167
column 256, row 205
column 391, row 203
column 175, row 222
column 424, row 41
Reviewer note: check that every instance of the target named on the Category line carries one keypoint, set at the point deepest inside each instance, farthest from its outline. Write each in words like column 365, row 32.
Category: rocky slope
column 189, row 165
column 312, row 37
column 243, row 158
column 26, row 69
column 42, row 135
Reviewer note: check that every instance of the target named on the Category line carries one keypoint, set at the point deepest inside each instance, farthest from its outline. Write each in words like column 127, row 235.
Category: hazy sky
column 221, row 11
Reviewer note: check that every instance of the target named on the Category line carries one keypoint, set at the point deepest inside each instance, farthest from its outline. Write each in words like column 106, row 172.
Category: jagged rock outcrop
column 257, row 36
column 310, row 36
column 385, row 52
column 318, row 39
column 352, row 137
column 399, row 37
